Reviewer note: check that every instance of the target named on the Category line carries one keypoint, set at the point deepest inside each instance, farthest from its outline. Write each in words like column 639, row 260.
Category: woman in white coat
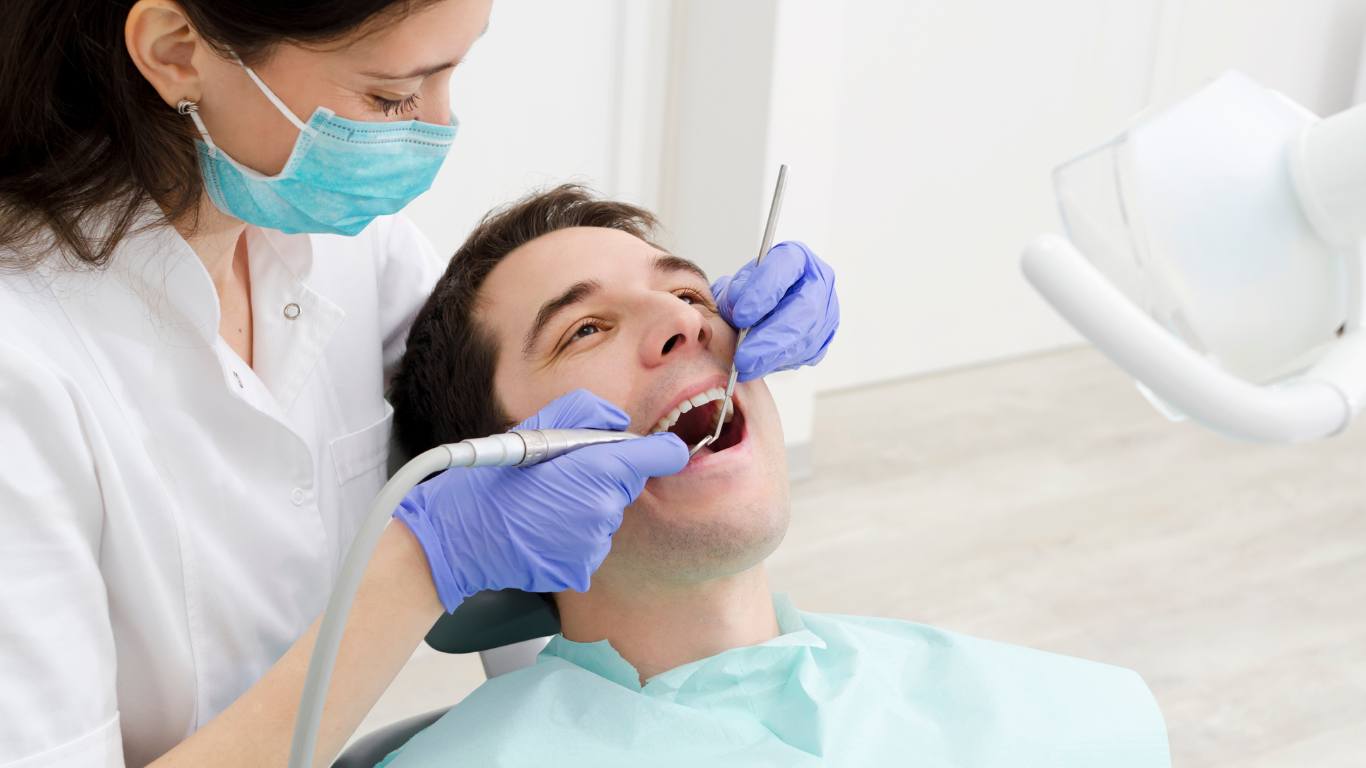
column 201, row 289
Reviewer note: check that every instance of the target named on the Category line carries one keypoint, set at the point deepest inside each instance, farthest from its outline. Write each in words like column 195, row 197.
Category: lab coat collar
column 292, row 322
column 603, row 660
column 156, row 262
column 288, row 341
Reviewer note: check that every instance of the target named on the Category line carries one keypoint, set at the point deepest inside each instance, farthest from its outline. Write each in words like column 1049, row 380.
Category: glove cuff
column 450, row 595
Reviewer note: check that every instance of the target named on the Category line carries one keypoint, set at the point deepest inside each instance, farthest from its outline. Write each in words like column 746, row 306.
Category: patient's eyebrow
column 572, row 295
column 667, row 262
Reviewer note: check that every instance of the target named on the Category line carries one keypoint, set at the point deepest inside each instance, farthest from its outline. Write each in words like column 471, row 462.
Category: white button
column 298, row 497
column 291, row 310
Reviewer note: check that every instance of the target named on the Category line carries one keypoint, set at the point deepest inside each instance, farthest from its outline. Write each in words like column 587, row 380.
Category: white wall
column 951, row 115
column 554, row 92
column 1309, row 49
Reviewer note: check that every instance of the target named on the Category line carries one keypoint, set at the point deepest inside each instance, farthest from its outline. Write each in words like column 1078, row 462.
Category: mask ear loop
column 280, row 105
column 191, row 108
column 187, row 107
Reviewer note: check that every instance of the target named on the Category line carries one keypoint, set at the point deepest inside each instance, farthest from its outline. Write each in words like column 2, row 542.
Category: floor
column 1043, row 502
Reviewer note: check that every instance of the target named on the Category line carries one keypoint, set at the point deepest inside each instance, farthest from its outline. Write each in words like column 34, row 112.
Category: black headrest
column 493, row 619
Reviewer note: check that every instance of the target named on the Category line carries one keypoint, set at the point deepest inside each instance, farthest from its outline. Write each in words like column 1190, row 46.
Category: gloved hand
column 789, row 304
column 543, row 528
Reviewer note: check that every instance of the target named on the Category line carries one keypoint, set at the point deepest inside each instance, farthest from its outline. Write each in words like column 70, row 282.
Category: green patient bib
column 828, row 691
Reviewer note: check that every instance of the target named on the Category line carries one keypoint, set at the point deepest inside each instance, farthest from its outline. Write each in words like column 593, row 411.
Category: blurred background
column 960, row 458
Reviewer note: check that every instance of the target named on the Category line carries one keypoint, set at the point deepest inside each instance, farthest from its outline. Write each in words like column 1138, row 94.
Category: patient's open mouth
column 695, row 417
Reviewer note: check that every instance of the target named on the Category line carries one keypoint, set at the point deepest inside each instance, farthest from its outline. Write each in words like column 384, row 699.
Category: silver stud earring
column 185, row 106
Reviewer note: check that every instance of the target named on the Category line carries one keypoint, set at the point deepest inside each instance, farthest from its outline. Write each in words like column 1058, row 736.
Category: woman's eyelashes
column 397, row 106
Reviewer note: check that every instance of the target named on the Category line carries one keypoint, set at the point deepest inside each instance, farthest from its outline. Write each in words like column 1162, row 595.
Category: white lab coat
column 171, row 520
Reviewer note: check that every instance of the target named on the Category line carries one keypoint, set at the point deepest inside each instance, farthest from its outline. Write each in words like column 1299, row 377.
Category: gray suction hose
column 518, row 448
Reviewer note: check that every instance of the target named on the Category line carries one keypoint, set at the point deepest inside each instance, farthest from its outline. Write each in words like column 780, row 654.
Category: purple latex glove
column 542, row 528
column 789, row 304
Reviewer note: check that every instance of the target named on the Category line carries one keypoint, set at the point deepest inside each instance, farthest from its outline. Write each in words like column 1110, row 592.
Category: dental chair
column 507, row 628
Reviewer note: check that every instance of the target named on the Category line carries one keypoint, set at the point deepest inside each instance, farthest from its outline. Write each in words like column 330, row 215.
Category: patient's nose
column 676, row 330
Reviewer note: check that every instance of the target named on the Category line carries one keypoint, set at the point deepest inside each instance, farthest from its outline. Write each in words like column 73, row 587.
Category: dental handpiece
column 773, row 209
column 524, row 447
column 518, row 448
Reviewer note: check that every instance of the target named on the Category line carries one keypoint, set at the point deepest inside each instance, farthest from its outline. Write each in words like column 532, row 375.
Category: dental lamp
column 1213, row 253
column 517, row 448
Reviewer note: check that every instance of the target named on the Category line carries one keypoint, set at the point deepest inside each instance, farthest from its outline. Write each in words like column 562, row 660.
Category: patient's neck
column 658, row 627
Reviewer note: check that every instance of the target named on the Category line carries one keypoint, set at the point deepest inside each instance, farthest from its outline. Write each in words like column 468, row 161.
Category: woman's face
column 400, row 72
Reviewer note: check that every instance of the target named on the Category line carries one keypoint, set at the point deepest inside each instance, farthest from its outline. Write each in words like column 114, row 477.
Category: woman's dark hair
column 86, row 142
column 442, row 391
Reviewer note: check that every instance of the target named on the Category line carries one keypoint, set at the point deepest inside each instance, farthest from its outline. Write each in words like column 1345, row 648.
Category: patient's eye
column 693, row 296
column 583, row 330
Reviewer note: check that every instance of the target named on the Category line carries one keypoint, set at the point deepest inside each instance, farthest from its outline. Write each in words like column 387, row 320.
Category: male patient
column 679, row 654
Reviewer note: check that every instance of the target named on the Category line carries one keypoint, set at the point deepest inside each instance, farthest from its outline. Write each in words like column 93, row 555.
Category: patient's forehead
column 572, row 254
column 543, row 268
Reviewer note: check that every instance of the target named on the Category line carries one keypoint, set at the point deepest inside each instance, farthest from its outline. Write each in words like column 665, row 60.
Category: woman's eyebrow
column 420, row 71
column 572, row 295
column 413, row 75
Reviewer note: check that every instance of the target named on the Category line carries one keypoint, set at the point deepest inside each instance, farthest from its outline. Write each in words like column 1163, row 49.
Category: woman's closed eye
column 396, row 106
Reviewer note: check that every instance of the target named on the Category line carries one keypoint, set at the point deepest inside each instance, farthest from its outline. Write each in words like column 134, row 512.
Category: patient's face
column 643, row 334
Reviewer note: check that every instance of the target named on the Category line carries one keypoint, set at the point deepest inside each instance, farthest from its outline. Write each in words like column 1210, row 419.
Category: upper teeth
column 689, row 403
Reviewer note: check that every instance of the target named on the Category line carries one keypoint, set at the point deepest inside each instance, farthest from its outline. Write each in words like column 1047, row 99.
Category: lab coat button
column 291, row 310
column 298, row 497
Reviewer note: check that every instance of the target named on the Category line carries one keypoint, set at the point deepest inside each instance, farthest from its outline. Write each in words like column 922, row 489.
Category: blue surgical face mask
column 340, row 176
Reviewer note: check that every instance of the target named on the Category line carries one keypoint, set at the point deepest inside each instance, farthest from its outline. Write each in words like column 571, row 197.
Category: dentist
column 201, row 289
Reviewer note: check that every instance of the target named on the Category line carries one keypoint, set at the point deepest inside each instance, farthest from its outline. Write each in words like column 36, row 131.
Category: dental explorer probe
column 518, row 448
column 773, row 210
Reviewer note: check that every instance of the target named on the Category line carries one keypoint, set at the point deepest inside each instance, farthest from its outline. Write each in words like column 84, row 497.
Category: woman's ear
column 163, row 44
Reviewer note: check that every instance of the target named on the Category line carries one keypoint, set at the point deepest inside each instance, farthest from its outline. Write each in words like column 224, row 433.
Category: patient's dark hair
column 443, row 389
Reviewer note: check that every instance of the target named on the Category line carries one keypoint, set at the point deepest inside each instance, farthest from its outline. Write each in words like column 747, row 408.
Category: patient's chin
column 714, row 519
column 659, row 544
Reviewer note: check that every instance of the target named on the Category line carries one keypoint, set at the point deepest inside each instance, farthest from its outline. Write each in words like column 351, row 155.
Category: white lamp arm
column 1301, row 409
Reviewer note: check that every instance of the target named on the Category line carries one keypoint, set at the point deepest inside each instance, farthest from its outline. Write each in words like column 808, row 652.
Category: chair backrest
column 492, row 620
column 375, row 746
